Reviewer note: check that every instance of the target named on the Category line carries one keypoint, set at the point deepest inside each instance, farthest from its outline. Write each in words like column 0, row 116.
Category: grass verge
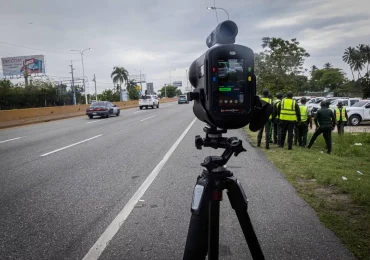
column 342, row 205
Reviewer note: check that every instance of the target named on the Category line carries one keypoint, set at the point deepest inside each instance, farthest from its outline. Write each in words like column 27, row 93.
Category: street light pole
column 83, row 69
column 215, row 8
column 169, row 72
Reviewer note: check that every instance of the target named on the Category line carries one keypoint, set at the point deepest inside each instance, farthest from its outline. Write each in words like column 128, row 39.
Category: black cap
column 279, row 95
column 265, row 92
column 303, row 99
column 323, row 103
column 340, row 102
column 289, row 94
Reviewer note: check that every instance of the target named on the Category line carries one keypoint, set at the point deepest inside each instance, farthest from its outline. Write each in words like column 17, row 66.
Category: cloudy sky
column 161, row 35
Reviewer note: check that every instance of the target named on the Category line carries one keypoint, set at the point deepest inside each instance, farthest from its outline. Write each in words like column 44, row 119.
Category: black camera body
column 224, row 81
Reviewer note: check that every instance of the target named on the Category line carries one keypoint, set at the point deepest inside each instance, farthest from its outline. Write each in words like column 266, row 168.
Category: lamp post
column 83, row 68
column 165, row 89
column 215, row 8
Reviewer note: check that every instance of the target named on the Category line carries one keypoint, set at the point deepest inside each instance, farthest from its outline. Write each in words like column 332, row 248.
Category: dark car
column 103, row 109
column 183, row 99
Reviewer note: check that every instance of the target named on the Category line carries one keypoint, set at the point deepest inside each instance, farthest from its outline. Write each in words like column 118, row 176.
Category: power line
column 20, row 46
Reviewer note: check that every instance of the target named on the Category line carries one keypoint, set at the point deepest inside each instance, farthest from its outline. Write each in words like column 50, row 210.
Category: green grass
column 342, row 205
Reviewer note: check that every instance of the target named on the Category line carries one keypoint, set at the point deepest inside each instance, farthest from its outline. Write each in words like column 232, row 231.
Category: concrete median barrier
column 19, row 117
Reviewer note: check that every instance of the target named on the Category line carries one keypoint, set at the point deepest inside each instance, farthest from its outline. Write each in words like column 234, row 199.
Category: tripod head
column 214, row 139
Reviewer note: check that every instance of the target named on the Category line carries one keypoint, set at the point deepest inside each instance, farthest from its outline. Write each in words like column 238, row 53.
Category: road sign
column 137, row 87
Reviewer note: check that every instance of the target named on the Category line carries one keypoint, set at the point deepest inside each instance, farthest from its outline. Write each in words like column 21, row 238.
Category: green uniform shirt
column 325, row 118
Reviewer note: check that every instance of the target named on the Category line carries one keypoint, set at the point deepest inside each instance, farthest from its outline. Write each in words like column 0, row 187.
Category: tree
column 278, row 66
column 178, row 92
column 328, row 65
column 365, row 53
column 131, row 89
column 313, row 69
column 348, row 57
column 119, row 76
column 332, row 78
column 357, row 62
column 170, row 90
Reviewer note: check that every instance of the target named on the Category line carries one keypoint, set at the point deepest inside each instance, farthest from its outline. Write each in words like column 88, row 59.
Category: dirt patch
column 330, row 194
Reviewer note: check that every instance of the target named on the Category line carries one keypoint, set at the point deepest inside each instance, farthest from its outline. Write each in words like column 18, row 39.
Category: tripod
column 203, row 234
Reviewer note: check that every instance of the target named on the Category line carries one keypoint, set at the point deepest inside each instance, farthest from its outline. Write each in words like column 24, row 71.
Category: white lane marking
column 99, row 246
column 65, row 147
column 10, row 140
column 146, row 118
column 138, row 111
column 100, row 120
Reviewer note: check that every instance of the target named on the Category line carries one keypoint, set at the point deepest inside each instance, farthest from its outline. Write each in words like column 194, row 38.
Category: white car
column 149, row 101
column 347, row 102
column 359, row 112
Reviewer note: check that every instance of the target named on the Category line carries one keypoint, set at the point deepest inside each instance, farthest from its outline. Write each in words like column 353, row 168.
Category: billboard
column 150, row 88
column 177, row 83
column 14, row 66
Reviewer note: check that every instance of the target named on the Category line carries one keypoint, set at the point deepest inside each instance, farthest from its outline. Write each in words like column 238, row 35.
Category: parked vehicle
column 149, row 101
column 347, row 102
column 359, row 112
column 183, row 99
column 103, row 109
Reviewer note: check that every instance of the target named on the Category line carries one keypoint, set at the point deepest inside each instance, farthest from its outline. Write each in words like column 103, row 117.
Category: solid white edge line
column 99, row 246
column 93, row 121
column 65, row 147
column 146, row 118
column 10, row 140
column 138, row 111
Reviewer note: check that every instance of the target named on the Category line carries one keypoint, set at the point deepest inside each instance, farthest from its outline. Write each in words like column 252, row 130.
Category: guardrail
column 18, row 117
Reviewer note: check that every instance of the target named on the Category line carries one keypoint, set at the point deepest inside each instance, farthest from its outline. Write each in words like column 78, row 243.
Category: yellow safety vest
column 276, row 104
column 303, row 110
column 268, row 100
column 287, row 111
column 338, row 111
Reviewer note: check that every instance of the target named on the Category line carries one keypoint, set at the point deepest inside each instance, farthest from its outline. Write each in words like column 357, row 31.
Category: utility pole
column 187, row 81
column 73, row 85
column 96, row 93
column 141, row 86
column 25, row 74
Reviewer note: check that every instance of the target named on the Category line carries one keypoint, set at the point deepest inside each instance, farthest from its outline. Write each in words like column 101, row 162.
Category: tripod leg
column 197, row 239
column 214, row 225
column 239, row 203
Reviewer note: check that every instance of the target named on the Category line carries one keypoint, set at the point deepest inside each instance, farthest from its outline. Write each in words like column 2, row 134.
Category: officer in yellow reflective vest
column 267, row 126
column 306, row 118
column 289, row 113
column 276, row 120
column 341, row 117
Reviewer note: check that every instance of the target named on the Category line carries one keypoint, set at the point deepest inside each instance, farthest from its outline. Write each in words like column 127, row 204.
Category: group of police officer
column 289, row 117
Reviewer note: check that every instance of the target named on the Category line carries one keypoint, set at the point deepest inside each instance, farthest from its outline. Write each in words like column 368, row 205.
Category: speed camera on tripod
column 223, row 80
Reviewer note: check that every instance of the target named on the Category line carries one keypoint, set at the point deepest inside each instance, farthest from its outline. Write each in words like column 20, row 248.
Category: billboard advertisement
column 14, row 66
column 150, row 88
column 177, row 83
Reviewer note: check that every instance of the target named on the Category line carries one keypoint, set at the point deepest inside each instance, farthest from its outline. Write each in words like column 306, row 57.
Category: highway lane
column 40, row 138
column 58, row 206
column 53, row 207
column 285, row 225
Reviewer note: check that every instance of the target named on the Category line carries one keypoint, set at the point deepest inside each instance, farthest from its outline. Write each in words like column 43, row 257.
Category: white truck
column 359, row 112
column 148, row 101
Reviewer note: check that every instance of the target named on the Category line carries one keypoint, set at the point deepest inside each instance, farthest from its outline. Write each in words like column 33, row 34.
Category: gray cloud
column 160, row 35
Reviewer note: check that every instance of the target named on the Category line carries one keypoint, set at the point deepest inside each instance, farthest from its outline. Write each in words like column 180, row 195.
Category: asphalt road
column 65, row 184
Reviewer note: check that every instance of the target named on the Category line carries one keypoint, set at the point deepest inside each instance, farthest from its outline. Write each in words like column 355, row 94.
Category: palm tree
column 313, row 69
column 357, row 62
column 347, row 58
column 119, row 75
column 328, row 65
column 365, row 53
